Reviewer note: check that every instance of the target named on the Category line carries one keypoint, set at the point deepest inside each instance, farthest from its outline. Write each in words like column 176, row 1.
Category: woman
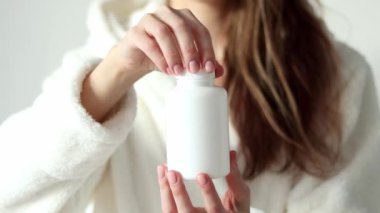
column 304, row 118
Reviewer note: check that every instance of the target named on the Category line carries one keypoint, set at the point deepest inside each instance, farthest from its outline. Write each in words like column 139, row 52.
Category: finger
column 167, row 200
column 203, row 40
column 149, row 47
column 235, row 181
column 165, row 38
column 219, row 70
column 179, row 192
column 200, row 210
column 210, row 196
column 184, row 36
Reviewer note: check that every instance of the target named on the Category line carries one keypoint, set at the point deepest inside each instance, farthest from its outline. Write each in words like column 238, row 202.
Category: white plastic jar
column 197, row 127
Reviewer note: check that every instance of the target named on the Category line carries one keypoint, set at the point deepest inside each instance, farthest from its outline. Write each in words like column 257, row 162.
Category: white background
column 34, row 34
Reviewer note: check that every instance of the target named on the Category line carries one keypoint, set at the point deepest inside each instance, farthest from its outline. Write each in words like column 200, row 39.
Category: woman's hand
column 174, row 197
column 168, row 40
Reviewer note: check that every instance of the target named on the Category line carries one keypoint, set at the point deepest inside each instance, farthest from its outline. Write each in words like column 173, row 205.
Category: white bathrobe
column 55, row 158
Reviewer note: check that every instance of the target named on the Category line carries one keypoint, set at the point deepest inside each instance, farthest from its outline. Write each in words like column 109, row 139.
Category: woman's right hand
column 169, row 40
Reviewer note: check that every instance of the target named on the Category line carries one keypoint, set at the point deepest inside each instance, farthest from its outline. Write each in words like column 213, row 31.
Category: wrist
column 122, row 71
column 106, row 85
column 114, row 69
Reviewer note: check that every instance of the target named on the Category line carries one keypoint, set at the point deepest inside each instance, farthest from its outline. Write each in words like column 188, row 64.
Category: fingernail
column 160, row 172
column 172, row 177
column 193, row 66
column 177, row 69
column 209, row 66
column 202, row 179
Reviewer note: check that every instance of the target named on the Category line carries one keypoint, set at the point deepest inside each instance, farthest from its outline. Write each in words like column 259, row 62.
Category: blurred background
column 34, row 35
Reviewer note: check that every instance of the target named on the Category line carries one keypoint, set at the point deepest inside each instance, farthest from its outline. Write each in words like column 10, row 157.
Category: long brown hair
column 283, row 81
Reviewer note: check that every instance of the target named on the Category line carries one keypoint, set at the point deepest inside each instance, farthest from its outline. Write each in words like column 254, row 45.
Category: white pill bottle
column 197, row 138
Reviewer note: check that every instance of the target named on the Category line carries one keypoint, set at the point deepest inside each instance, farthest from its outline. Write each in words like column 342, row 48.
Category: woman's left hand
column 174, row 197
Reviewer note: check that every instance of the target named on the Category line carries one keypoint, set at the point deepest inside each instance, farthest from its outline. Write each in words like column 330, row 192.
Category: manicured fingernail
column 193, row 66
column 172, row 177
column 160, row 172
column 202, row 179
column 177, row 69
column 209, row 66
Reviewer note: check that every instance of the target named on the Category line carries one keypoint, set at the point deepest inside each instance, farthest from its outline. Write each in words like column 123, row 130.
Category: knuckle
column 178, row 191
column 163, row 184
column 145, row 18
column 163, row 31
column 186, row 11
column 204, row 32
column 180, row 24
column 151, row 45
column 190, row 50
column 132, row 32
column 164, row 9
column 174, row 55
column 208, row 190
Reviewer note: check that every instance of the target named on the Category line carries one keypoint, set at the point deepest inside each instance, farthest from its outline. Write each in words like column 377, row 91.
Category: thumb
column 219, row 70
